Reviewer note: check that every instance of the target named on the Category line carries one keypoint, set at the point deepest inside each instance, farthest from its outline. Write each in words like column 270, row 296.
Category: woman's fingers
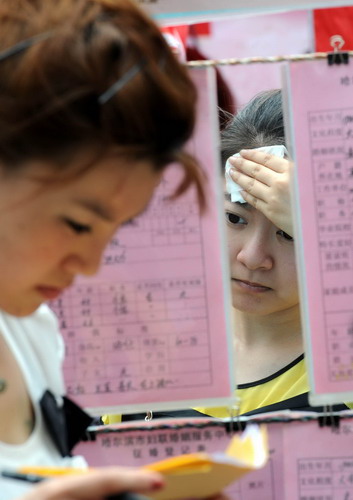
column 252, row 170
column 100, row 484
column 254, row 202
column 250, row 185
column 269, row 161
column 97, row 484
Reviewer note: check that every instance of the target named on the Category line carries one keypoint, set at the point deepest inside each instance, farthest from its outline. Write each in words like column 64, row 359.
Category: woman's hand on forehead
column 265, row 180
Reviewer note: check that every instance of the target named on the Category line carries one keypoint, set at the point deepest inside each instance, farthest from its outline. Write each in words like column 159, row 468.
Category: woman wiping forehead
column 270, row 370
column 269, row 367
column 269, row 364
column 264, row 293
column 261, row 250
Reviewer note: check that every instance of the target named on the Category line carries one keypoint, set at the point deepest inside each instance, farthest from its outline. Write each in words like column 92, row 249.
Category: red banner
column 331, row 22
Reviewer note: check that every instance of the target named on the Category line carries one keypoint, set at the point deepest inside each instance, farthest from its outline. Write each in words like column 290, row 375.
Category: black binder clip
column 329, row 419
column 235, row 424
column 337, row 56
column 232, row 427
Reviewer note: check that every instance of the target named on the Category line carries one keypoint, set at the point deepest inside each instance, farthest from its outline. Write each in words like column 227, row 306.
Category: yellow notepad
column 200, row 475
column 196, row 475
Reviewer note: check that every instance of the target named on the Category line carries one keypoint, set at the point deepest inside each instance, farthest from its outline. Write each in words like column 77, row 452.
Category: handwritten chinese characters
column 152, row 327
column 132, row 337
column 319, row 117
column 331, row 135
column 320, row 459
column 325, row 478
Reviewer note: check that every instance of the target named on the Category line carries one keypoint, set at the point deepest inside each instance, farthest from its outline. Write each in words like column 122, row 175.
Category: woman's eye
column 284, row 235
column 77, row 227
column 234, row 219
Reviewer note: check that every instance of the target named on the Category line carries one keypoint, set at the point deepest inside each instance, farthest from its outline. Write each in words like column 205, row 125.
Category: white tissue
column 233, row 188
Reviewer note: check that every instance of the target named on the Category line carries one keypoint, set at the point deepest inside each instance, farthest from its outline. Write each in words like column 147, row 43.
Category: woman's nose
column 86, row 262
column 255, row 251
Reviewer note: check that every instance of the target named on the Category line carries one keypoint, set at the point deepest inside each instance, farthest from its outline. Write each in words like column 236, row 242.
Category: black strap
column 164, row 414
column 297, row 403
column 77, row 422
column 66, row 424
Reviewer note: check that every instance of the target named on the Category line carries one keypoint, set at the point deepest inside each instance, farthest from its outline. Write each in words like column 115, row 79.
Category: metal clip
column 235, row 424
column 328, row 419
column 149, row 416
column 337, row 57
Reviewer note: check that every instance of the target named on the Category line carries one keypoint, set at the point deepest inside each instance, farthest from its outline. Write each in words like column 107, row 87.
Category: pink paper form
column 307, row 462
column 136, row 448
column 318, row 462
column 320, row 121
column 153, row 326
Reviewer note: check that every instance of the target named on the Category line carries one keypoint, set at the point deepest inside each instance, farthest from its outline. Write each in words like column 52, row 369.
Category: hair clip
column 23, row 45
column 103, row 98
column 119, row 84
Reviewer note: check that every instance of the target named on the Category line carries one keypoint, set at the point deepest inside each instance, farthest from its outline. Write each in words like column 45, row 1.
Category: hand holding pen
column 98, row 484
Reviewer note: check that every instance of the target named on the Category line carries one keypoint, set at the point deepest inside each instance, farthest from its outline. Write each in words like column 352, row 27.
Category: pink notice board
column 152, row 329
column 319, row 116
column 136, row 448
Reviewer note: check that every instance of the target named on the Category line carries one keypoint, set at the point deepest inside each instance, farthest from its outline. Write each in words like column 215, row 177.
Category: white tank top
column 38, row 347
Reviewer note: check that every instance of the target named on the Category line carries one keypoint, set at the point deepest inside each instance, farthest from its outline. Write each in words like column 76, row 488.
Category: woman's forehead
column 245, row 205
column 245, row 208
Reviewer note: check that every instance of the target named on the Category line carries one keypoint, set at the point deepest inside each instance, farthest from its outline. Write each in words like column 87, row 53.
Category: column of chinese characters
column 325, row 478
column 331, row 134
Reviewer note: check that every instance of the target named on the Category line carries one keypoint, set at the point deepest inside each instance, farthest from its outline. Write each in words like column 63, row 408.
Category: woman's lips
column 49, row 293
column 251, row 287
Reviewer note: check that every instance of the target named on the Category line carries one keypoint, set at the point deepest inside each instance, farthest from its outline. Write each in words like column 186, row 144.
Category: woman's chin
column 263, row 308
column 20, row 308
column 254, row 305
